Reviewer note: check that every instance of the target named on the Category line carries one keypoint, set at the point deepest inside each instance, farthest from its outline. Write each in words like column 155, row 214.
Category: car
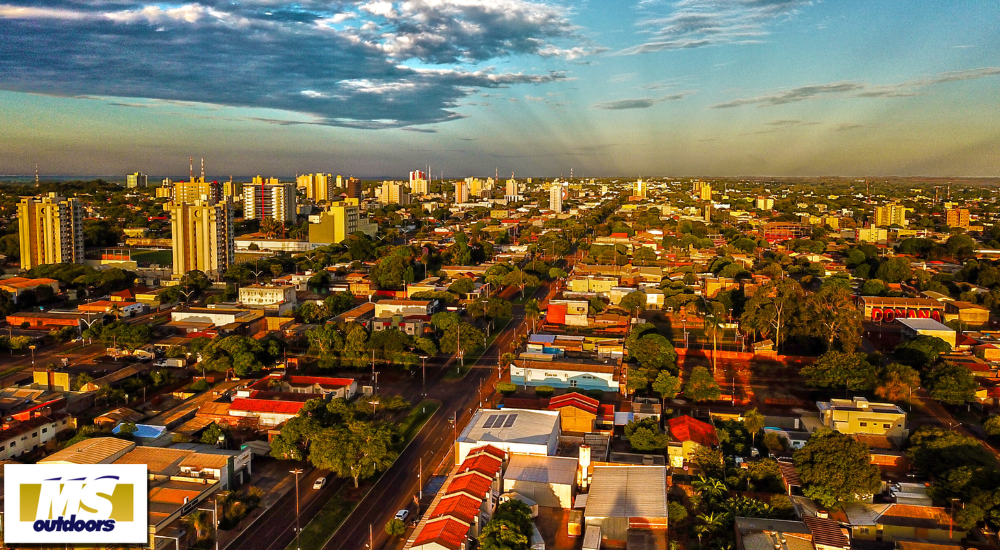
column 402, row 515
column 319, row 483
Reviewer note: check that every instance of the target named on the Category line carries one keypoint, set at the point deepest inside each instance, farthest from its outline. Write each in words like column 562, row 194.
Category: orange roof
column 266, row 406
column 460, row 506
column 472, row 482
column 575, row 400
column 447, row 532
column 483, row 463
column 495, row 452
column 685, row 428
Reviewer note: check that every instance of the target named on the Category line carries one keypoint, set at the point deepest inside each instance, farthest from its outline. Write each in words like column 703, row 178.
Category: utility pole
column 298, row 533
column 420, row 479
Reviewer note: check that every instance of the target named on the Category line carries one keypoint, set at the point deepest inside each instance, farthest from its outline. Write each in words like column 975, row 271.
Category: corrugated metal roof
column 541, row 469
column 90, row 451
column 529, row 426
column 628, row 491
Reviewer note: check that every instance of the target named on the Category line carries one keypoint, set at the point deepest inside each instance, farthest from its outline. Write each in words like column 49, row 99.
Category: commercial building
column 783, row 231
column 393, row 193
column 17, row 285
column 267, row 294
column 388, row 308
column 21, row 437
column 958, row 217
column 858, row 416
column 318, row 187
column 276, row 201
column 340, row 220
column 555, row 197
column 973, row 315
column 202, row 236
column 227, row 320
column 891, row 214
column 764, row 203
column 902, row 522
column 137, row 179
column 548, row 480
column 354, row 188
column 705, row 193
column 911, row 328
column 640, row 189
column 585, row 374
column 623, row 498
column 196, row 189
column 513, row 430
column 51, row 230
column 461, row 192
column 876, row 309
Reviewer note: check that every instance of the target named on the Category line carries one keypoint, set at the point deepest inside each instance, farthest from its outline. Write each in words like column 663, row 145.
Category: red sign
column 891, row 314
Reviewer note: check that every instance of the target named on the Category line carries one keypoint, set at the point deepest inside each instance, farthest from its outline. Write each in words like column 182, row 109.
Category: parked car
column 402, row 515
column 319, row 483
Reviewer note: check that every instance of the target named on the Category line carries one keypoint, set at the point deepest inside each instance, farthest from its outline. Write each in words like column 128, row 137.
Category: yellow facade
column 339, row 221
column 891, row 214
column 51, row 230
column 202, row 237
column 958, row 217
column 859, row 416
column 197, row 189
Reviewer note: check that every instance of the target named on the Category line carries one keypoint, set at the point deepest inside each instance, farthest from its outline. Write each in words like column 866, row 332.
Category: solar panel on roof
column 510, row 421
column 489, row 421
column 499, row 422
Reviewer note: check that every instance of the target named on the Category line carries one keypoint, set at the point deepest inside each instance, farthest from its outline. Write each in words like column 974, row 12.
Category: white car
column 319, row 483
column 402, row 515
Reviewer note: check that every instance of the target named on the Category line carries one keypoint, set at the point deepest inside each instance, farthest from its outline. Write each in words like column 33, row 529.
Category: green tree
column 992, row 426
column 701, row 386
column 835, row 369
column 645, row 436
column 874, row 287
column 836, row 469
column 395, row 528
column 339, row 302
column 832, row 316
column 462, row 286
column 461, row 339
column 897, row 383
column 212, row 434
column 769, row 309
column 654, row 351
column 634, row 302
column 754, row 422
column 358, row 450
column 921, row 351
column 502, row 535
column 127, row 430
column 894, row 270
column 952, row 384
column 667, row 385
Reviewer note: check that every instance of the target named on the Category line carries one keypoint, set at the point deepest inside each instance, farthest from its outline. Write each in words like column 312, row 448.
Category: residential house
column 687, row 434
column 858, row 416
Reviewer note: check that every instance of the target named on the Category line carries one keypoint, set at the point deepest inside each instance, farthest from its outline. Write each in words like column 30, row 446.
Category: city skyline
column 693, row 87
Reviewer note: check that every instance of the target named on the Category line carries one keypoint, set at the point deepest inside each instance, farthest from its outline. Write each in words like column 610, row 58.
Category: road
column 396, row 488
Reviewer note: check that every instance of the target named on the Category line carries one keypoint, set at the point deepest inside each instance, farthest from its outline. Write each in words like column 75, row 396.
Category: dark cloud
column 339, row 62
column 639, row 103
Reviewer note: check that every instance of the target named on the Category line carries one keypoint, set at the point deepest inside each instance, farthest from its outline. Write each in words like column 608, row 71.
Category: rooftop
column 628, row 491
column 541, row 469
column 96, row 450
column 511, row 426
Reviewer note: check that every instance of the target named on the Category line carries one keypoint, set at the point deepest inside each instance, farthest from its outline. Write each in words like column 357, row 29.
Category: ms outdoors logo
column 75, row 503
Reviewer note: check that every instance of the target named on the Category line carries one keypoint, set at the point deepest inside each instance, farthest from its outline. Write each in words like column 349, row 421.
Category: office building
column 51, row 230
column 461, row 192
column 555, row 197
column 475, row 186
column 958, row 217
column 340, row 220
column 891, row 214
column 137, row 179
column 354, row 189
column 202, row 236
column 196, row 189
column 318, row 187
column 394, row 193
column 511, row 188
column 276, row 201
column 232, row 191
column 705, row 193
column 639, row 189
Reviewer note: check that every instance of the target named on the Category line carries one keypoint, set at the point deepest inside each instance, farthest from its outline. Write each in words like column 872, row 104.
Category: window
column 863, row 424
column 45, row 430
column 887, row 426
column 864, row 530
column 572, row 383
column 13, row 444
column 35, row 434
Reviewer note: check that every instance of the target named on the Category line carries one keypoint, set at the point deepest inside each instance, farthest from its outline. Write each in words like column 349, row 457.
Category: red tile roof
column 265, row 406
column 447, row 532
column 460, row 506
column 483, row 463
column 685, row 428
column 496, row 452
column 826, row 532
column 473, row 483
column 576, row 400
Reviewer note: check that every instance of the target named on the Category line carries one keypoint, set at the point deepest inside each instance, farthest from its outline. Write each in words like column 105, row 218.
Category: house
column 18, row 438
column 811, row 533
column 547, row 480
column 329, row 388
column 577, row 412
column 892, row 522
column 858, row 416
column 414, row 325
column 973, row 315
column 224, row 319
column 388, row 308
column 512, row 430
column 568, row 312
column 548, row 370
column 687, row 434
column 623, row 498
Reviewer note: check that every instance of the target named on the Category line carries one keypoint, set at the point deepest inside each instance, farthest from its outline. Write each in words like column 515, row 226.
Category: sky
column 477, row 87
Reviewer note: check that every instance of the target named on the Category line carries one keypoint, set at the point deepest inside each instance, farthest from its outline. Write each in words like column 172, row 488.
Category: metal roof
column 97, row 450
column 541, row 469
column 511, row 426
column 628, row 491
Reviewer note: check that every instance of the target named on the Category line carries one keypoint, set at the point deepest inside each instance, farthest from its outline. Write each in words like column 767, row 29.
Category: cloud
column 352, row 63
column 908, row 88
column 792, row 123
column 701, row 23
column 847, row 127
column 639, row 103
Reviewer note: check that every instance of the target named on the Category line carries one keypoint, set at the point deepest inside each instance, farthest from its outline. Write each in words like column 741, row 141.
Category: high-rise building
column 394, row 193
column 354, row 189
column 232, row 191
column 275, row 201
column 51, row 230
column 137, row 179
column 891, row 214
column 197, row 189
column 511, row 190
column 318, row 187
column 958, row 217
column 339, row 221
column 475, row 186
column 604, row 189
column 640, row 188
column 555, row 197
column 461, row 192
column 202, row 236
column 418, row 183
column 765, row 203
column 705, row 193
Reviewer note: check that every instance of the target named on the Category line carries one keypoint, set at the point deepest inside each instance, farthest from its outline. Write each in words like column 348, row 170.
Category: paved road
column 396, row 488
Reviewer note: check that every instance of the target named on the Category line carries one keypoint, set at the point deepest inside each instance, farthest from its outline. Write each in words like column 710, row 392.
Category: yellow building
column 318, row 187
column 592, row 284
column 51, row 230
column 197, row 189
column 232, row 190
column 394, row 193
column 137, row 179
column 165, row 192
column 202, row 237
column 640, row 189
column 859, row 416
column 765, row 203
column 891, row 214
column 461, row 192
column 958, row 217
column 705, row 193
column 339, row 221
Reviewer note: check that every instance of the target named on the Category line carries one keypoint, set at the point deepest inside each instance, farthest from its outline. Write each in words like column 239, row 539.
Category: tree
column 770, row 307
column 510, row 528
column 212, row 434
column 634, row 302
column 754, row 422
column 654, row 351
column 667, row 385
column 874, row 287
column 644, row 255
column 395, row 528
column 894, row 270
column 952, row 384
column 832, row 316
column 921, row 351
column 338, row 302
column 358, row 450
column 127, row 430
column 645, row 436
column 835, row 369
column 701, row 386
column 992, row 426
column 897, row 383
column 836, row 469
column 462, row 286
column 532, row 311
column 443, row 320
column 462, row 338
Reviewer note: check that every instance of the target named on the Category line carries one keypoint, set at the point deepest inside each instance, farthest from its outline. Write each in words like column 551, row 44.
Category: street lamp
column 297, row 472
column 423, row 383
column 32, row 348
column 374, row 404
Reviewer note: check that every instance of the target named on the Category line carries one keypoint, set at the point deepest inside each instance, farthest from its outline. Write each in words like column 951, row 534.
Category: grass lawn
column 162, row 257
column 325, row 524
column 459, row 373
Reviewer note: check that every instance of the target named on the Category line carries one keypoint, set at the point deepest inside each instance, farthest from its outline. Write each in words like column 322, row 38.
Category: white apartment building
column 275, row 201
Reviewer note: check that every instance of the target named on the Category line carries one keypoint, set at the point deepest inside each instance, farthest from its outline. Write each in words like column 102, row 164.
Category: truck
column 173, row 362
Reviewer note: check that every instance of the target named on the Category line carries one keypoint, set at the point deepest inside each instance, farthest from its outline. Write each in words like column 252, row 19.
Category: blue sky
column 377, row 88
